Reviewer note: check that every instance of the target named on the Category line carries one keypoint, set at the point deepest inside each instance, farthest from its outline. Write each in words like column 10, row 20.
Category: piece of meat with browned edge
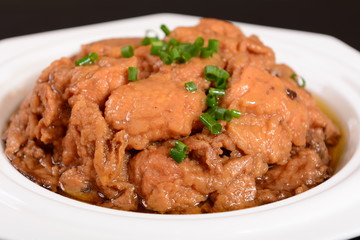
column 96, row 82
column 99, row 158
column 35, row 132
column 225, row 183
column 303, row 171
column 109, row 47
column 154, row 109
column 273, row 120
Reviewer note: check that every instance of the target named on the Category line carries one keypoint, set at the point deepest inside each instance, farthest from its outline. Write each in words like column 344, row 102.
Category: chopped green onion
column 235, row 113
column 185, row 56
column 194, row 50
column 148, row 40
column 211, row 111
column 213, row 45
column 181, row 146
column 166, row 57
column 166, row 46
column 220, row 76
column 184, row 46
column 199, row 41
column 220, row 84
column 177, row 155
column 165, row 29
column 190, row 86
column 205, row 53
column 228, row 116
column 127, row 51
column 180, row 52
column 88, row 59
column 211, row 100
column 296, row 79
column 181, row 59
column 213, row 73
column 210, row 123
column 217, row 91
column 175, row 53
column 173, row 42
column 220, row 113
column 156, row 48
column 132, row 73
column 224, row 75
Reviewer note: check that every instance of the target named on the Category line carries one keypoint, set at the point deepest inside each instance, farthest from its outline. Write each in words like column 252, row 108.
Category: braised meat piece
column 154, row 109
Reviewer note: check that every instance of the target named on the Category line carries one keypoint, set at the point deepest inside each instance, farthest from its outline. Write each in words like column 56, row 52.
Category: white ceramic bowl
column 328, row 211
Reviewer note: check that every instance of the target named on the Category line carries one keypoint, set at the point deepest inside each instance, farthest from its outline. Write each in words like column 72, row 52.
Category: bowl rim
column 349, row 172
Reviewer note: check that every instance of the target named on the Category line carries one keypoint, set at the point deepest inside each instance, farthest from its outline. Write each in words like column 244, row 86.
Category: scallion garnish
column 210, row 123
column 187, row 51
column 132, row 73
column 235, row 113
column 213, row 73
column 221, row 83
column 148, row 40
column 173, row 42
column 217, row 91
column 184, row 57
column 297, row 80
column 165, row 47
column 199, row 41
column 156, row 48
column 220, row 76
column 181, row 146
column 205, row 53
column 213, row 45
column 190, row 86
column 88, row 59
column 184, row 46
column 165, row 57
column 194, row 50
column 127, row 51
column 179, row 52
column 211, row 111
column 211, row 100
column 178, row 153
column 165, row 29
column 175, row 53
column 219, row 113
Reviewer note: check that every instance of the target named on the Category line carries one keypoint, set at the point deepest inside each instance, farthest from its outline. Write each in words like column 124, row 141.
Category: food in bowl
column 201, row 121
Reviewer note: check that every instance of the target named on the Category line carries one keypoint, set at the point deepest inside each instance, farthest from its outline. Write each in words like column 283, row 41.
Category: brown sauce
column 336, row 151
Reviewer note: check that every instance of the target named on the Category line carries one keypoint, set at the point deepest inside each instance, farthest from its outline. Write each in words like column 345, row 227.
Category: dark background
column 340, row 18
